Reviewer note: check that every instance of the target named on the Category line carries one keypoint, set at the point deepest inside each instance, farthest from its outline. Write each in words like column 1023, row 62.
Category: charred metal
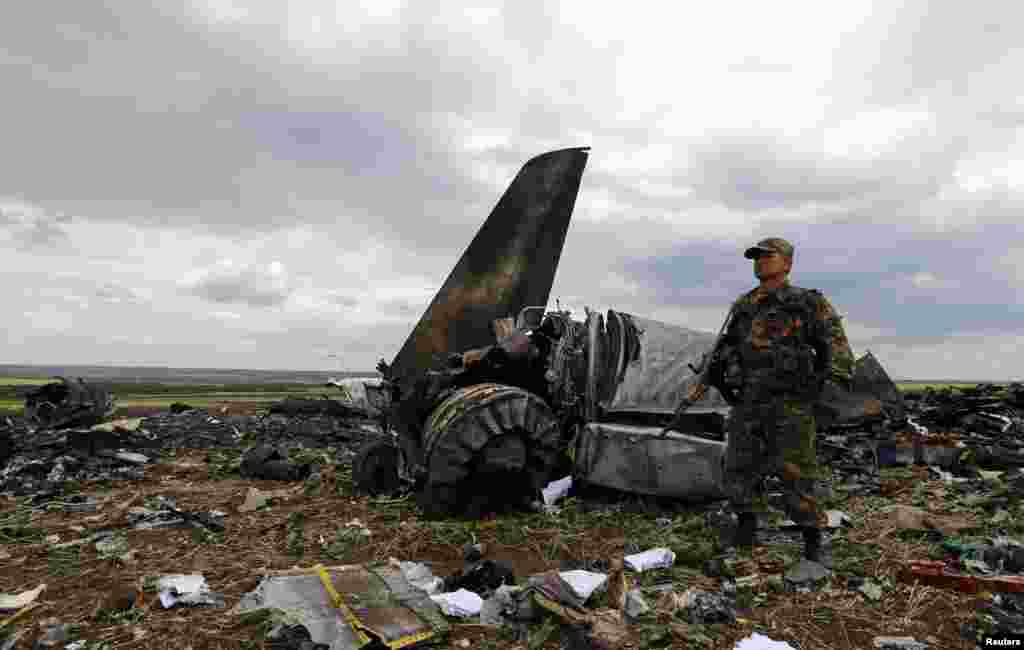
column 492, row 396
column 68, row 403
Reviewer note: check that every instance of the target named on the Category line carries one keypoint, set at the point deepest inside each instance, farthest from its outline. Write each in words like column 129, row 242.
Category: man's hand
column 471, row 358
column 696, row 392
column 693, row 394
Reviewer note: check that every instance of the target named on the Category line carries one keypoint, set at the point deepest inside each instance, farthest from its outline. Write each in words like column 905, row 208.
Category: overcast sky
column 285, row 185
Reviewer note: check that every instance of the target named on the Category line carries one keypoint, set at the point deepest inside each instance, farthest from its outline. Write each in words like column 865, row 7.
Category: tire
column 488, row 447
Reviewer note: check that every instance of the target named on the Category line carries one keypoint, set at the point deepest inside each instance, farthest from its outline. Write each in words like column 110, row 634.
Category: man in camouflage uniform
column 781, row 347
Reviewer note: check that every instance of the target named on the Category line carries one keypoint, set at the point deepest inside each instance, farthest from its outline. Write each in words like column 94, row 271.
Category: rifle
column 702, row 371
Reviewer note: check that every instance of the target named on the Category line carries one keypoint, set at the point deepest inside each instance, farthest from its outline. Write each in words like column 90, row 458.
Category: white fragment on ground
column 420, row 576
column 360, row 526
column 123, row 424
column 584, row 583
column 191, row 589
column 460, row 604
column 838, row 518
column 760, row 642
column 900, row 642
column 555, row 490
column 131, row 457
column 655, row 558
column 10, row 602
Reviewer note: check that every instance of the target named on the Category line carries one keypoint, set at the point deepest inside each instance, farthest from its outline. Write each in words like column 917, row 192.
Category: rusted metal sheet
column 510, row 264
column 939, row 574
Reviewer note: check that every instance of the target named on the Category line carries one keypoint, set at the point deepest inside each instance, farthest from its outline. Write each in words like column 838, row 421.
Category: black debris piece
column 295, row 637
column 269, row 463
column 375, row 467
column 68, row 403
column 38, row 460
column 481, row 578
column 324, row 405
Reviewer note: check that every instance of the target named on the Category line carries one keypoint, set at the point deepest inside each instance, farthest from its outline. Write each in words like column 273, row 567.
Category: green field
column 24, row 381
column 163, row 395
column 203, row 396
column 920, row 387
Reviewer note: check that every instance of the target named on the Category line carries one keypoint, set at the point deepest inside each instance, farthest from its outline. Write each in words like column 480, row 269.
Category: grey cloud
column 695, row 274
column 202, row 126
column 41, row 234
column 343, row 299
column 759, row 171
column 404, row 307
column 10, row 216
column 252, row 287
column 131, row 113
column 313, row 339
column 115, row 293
column 923, row 48
column 871, row 282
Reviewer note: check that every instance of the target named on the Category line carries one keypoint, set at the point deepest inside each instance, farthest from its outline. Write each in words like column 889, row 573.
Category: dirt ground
column 253, row 542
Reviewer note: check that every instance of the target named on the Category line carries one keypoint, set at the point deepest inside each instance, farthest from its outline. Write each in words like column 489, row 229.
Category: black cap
column 770, row 245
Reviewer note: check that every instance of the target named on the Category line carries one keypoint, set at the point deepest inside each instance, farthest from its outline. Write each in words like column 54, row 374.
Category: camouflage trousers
column 773, row 438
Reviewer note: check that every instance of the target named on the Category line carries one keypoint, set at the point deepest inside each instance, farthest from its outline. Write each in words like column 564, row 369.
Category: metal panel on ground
column 638, row 460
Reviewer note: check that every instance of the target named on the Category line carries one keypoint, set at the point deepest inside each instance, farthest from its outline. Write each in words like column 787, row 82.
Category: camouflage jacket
column 787, row 340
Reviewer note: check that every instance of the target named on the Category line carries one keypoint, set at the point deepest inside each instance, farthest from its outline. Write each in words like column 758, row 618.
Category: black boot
column 745, row 530
column 812, row 543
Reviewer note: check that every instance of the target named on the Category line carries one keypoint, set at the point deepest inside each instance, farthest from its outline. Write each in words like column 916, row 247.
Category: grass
column 15, row 526
column 24, row 381
column 907, row 386
column 307, row 530
column 161, row 396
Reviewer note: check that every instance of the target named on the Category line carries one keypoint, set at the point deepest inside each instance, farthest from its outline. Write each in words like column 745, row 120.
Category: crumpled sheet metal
column 644, row 363
column 510, row 264
column 637, row 459
column 379, row 599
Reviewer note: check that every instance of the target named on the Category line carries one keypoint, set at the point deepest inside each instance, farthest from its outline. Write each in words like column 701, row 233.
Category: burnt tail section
column 510, row 264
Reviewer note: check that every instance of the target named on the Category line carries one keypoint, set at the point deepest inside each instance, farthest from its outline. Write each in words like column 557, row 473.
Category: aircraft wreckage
column 68, row 403
column 492, row 396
